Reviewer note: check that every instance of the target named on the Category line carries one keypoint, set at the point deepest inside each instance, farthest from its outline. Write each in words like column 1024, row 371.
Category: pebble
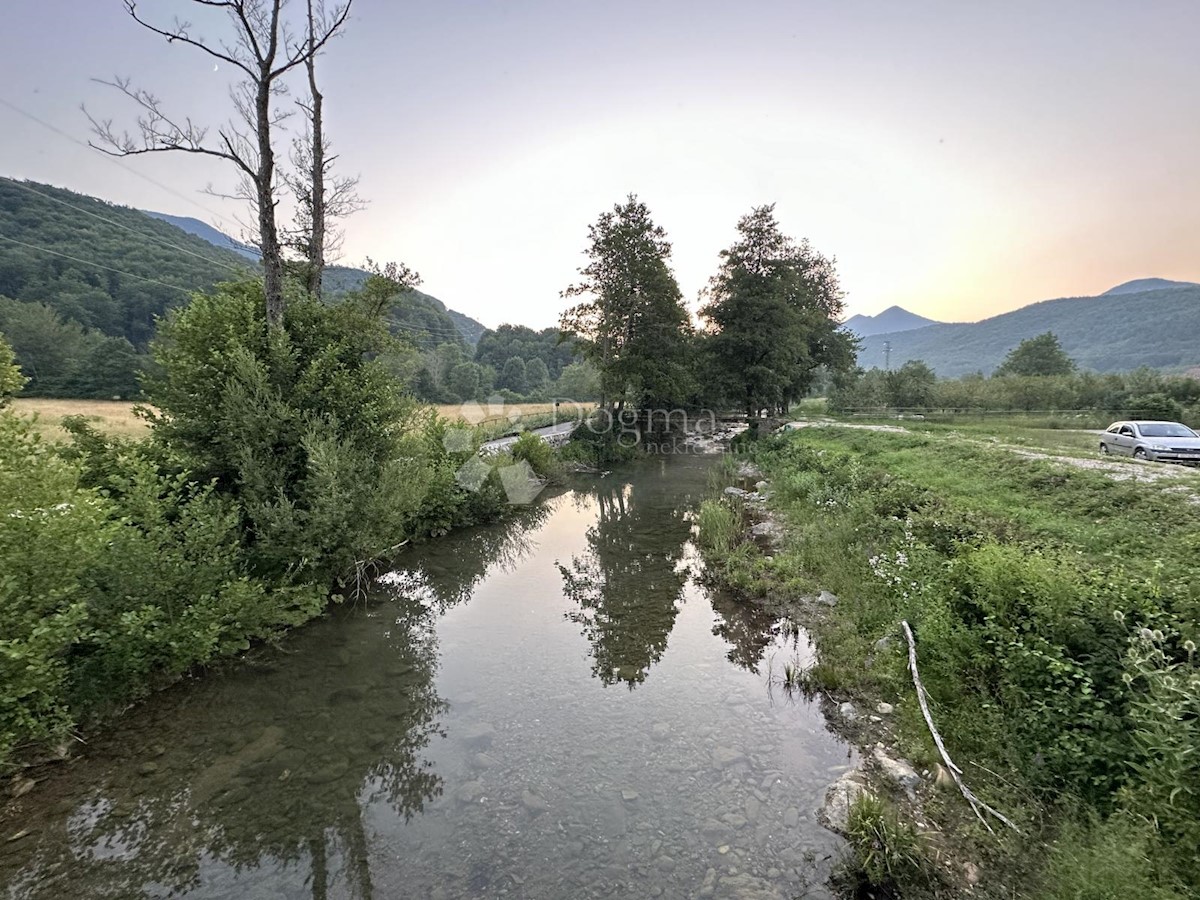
column 629, row 796
column 535, row 804
column 885, row 709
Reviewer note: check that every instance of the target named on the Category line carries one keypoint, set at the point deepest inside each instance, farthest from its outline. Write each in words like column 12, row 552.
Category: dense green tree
column 579, row 381
column 464, row 380
column 513, row 375
column 11, row 379
column 495, row 348
column 633, row 326
column 911, row 386
column 62, row 358
column 537, row 376
column 773, row 311
column 1041, row 355
column 109, row 268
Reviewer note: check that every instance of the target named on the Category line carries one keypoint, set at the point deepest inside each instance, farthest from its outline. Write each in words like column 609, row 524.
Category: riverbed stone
column 884, row 709
column 535, row 804
column 899, row 771
column 716, row 832
column 839, row 798
column 724, row 757
column 753, row 809
column 478, row 735
column 848, row 712
column 629, row 796
column 469, row 792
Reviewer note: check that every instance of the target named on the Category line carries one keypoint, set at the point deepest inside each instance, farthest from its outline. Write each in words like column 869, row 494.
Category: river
column 554, row 707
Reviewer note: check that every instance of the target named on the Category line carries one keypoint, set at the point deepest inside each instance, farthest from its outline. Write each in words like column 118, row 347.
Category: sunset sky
column 959, row 159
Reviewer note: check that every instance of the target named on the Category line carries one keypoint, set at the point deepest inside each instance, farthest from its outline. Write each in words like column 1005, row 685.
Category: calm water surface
column 553, row 708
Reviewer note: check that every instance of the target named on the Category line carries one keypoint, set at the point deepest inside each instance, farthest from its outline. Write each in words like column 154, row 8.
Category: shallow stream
column 554, row 707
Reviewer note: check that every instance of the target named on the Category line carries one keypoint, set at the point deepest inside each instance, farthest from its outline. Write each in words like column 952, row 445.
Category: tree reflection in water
column 628, row 584
column 262, row 774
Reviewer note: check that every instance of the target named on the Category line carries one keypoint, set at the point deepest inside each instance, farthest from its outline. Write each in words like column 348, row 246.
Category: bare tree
column 264, row 49
column 321, row 197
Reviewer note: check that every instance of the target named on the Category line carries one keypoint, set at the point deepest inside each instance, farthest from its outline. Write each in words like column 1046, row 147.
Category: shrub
column 51, row 536
column 541, row 456
column 11, row 379
column 299, row 425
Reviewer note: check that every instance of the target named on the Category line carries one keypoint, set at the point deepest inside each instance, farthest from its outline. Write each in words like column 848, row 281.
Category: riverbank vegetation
column 1056, row 610
column 1037, row 378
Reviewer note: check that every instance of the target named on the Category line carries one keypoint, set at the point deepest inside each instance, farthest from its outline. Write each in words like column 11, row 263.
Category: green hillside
column 419, row 314
column 107, row 267
column 1157, row 328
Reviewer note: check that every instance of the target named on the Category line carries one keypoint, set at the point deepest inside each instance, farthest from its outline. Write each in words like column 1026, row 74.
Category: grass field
column 117, row 417
column 112, row 416
column 1055, row 599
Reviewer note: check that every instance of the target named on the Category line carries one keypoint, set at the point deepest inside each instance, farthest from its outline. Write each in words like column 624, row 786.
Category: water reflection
column 752, row 629
column 266, row 768
column 374, row 756
column 628, row 585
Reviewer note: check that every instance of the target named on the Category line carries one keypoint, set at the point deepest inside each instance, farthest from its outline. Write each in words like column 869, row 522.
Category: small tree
column 773, row 314
column 633, row 326
column 464, row 380
column 910, row 386
column 514, row 375
column 537, row 376
column 11, row 379
column 1041, row 355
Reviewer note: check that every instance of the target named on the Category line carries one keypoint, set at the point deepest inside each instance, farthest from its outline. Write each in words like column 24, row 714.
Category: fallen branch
column 955, row 771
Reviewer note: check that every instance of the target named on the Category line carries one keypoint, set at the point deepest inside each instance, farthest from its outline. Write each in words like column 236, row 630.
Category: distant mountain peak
column 894, row 318
column 1141, row 285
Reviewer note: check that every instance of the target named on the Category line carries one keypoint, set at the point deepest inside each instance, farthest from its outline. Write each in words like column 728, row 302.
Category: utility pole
column 887, row 356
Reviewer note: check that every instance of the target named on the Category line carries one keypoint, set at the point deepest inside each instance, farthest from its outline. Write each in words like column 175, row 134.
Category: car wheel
column 1104, row 449
column 1140, row 453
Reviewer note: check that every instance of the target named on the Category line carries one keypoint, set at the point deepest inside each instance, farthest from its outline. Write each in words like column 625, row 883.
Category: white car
column 1141, row 439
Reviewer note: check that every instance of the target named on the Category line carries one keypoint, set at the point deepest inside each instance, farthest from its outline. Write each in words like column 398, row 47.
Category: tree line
column 769, row 319
column 1036, row 375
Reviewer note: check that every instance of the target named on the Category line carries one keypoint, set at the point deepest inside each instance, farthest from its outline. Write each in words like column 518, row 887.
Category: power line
column 174, row 287
column 154, row 238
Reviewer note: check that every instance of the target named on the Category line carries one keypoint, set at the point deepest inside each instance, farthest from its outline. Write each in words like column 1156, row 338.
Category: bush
column 51, row 536
column 541, row 456
column 299, row 425
column 11, row 379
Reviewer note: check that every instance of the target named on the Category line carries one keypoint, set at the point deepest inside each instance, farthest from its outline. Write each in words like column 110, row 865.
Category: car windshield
column 1167, row 429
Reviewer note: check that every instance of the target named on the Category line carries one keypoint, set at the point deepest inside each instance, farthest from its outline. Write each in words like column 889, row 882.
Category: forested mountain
column 1141, row 285
column 1116, row 331
column 894, row 318
column 206, row 232
column 82, row 281
column 424, row 317
column 107, row 267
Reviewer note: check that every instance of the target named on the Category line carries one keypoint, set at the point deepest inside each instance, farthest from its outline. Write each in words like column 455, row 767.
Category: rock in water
column 839, row 798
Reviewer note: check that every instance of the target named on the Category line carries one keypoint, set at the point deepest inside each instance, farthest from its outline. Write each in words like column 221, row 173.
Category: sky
column 959, row 159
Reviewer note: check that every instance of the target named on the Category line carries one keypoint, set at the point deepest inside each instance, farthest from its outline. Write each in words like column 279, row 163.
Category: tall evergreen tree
column 772, row 312
column 632, row 325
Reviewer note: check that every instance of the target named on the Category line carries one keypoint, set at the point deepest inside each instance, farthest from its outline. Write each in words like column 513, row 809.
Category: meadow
column 117, row 417
column 1055, row 600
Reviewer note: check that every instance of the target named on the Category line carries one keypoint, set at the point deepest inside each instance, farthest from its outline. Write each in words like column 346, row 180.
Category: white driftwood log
column 955, row 771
